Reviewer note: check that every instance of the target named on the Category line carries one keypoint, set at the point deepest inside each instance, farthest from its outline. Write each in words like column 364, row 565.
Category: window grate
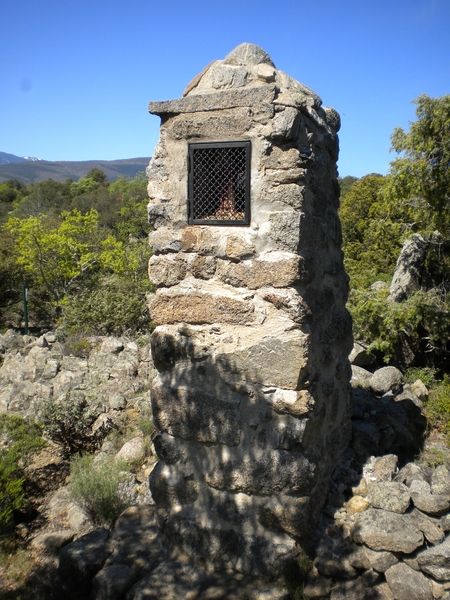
column 219, row 183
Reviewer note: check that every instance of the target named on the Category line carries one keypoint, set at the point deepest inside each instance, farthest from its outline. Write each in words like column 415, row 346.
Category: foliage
column 116, row 307
column 427, row 375
column 70, row 239
column 373, row 231
column 378, row 214
column 55, row 252
column 69, row 423
column 99, row 486
column 421, row 177
column 76, row 345
column 18, row 438
column 421, row 321
column 437, row 408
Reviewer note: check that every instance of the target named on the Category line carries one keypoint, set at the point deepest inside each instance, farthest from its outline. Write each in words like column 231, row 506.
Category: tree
column 56, row 252
column 421, row 177
column 373, row 230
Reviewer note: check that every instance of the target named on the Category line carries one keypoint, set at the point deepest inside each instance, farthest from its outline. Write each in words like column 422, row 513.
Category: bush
column 69, row 424
column 115, row 307
column 427, row 375
column 18, row 439
column 99, row 486
column 420, row 323
column 437, row 408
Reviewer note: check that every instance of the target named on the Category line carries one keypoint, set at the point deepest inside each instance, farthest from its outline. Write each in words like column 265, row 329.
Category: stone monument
column 251, row 401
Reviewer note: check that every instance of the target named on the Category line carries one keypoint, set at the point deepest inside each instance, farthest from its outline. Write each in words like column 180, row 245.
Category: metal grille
column 219, row 183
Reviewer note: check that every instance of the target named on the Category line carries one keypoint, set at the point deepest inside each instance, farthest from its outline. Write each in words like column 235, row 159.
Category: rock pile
column 108, row 373
column 385, row 527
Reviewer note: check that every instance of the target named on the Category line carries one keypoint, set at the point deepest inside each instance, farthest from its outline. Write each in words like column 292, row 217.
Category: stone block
column 192, row 413
column 263, row 473
column 281, row 157
column 277, row 269
column 297, row 403
column 263, row 359
column 239, row 247
column 171, row 487
column 199, row 308
column 202, row 267
column 285, row 195
column 227, row 123
column 166, row 270
column 430, row 527
column 263, row 94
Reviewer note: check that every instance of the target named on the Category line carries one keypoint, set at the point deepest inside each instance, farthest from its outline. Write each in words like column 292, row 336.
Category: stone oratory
column 251, row 401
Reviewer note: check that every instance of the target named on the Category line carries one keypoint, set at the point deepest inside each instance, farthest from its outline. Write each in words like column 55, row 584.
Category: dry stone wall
column 251, row 397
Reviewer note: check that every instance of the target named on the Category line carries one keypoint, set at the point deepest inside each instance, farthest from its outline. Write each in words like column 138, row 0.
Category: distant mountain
column 30, row 170
column 8, row 159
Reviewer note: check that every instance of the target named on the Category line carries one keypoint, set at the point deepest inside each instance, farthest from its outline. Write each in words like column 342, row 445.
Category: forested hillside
column 33, row 170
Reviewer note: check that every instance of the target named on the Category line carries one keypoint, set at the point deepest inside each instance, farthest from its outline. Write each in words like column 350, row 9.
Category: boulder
column 408, row 270
column 440, row 481
column 357, row 504
column 381, row 468
column 360, row 357
column 383, row 530
column 432, row 504
column 380, row 560
column 431, row 528
column 112, row 582
column 133, row 450
column 409, row 473
column 435, row 561
column 168, row 581
column 389, row 495
column 386, row 379
column 357, row 589
column 360, row 376
column 420, row 389
column 407, row 584
column 82, row 559
column 52, row 541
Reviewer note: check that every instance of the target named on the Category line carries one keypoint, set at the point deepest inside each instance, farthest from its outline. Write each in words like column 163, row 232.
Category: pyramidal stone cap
column 248, row 54
column 246, row 77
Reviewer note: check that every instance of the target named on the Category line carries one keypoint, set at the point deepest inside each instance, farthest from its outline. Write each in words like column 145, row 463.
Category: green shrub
column 421, row 321
column 18, row 438
column 437, row 408
column 77, row 345
column 99, row 486
column 115, row 307
column 69, row 424
column 12, row 496
column 427, row 375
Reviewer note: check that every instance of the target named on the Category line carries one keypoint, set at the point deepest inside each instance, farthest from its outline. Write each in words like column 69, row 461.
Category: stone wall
column 252, row 338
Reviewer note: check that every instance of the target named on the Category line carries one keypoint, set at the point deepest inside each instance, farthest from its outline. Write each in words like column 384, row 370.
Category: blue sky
column 77, row 75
